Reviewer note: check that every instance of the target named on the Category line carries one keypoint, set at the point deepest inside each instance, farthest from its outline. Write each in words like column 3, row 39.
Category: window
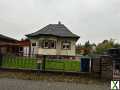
column 49, row 44
column 33, row 44
column 46, row 44
column 52, row 44
column 66, row 44
column 117, row 67
column 21, row 49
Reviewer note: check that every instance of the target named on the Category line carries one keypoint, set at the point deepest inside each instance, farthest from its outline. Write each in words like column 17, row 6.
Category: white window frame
column 49, row 46
column 65, row 44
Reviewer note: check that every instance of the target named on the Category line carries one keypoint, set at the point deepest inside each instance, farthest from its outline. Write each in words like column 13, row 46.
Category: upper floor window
column 66, row 44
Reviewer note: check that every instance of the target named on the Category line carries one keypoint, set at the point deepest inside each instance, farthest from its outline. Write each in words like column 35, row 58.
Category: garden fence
column 43, row 63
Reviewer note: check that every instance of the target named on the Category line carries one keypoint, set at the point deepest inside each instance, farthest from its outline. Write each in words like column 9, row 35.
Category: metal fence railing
column 58, row 63
column 11, row 61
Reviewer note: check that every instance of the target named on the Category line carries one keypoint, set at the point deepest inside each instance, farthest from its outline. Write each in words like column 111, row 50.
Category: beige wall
column 34, row 50
column 47, row 51
column 57, row 51
column 26, row 51
column 61, row 51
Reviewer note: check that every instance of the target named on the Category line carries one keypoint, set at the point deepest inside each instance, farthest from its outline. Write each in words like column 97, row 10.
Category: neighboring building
column 115, row 54
column 108, row 65
column 24, row 47
column 54, row 39
column 8, row 45
column 83, row 51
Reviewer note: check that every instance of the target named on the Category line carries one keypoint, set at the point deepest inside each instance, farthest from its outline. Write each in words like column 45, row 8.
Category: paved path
column 15, row 84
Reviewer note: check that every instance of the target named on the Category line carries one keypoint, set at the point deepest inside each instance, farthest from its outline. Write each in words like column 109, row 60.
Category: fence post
column 100, row 68
column 43, row 63
column 1, row 58
column 91, row 64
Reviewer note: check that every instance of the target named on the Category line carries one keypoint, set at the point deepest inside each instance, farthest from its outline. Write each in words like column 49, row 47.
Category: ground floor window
column 21, row 49
column 117, row 65
column 48, row 44
column 66, row 44
column 33, row 44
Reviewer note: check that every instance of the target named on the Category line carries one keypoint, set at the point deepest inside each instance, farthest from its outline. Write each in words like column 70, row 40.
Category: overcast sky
column 93, row 20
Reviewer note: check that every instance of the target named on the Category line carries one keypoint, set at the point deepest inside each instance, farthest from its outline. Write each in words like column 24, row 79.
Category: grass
column 19, row 62
column 31, row 63
column 63, row 65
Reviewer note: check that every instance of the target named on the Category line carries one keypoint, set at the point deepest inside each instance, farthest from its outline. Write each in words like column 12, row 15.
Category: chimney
column 59, row 22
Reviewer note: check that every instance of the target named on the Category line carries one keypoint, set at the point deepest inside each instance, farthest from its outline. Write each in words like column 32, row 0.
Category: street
column 16, row 84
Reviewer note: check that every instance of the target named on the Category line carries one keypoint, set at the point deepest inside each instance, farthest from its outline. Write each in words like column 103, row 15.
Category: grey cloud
column 93, row 20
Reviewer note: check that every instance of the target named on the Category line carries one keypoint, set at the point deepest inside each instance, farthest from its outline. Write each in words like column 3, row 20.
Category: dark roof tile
column 3, row 37
column 54, row 29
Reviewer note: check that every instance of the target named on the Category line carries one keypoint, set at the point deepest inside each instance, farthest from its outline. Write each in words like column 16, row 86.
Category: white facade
column 26, row 51
column 37, row 48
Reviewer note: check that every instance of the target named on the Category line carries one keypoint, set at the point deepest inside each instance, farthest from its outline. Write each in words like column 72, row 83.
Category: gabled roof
column 6, row 38
column 59, row 30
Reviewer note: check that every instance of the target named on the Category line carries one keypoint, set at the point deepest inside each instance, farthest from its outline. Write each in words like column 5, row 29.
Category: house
column 8, row 45
column 53, row 39
column 24, row 47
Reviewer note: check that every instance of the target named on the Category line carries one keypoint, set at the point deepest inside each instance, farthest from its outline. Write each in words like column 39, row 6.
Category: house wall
column 24, row 47
column 3, row 50
column 61, row 51
column 34, row 49
column 2, row 42
column 7, row 47
column 58, row 51
column 26, row 51
column 47, row 51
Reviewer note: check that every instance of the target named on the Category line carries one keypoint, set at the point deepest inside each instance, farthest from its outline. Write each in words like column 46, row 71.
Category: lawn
column 19, row 62
column 63, row 65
